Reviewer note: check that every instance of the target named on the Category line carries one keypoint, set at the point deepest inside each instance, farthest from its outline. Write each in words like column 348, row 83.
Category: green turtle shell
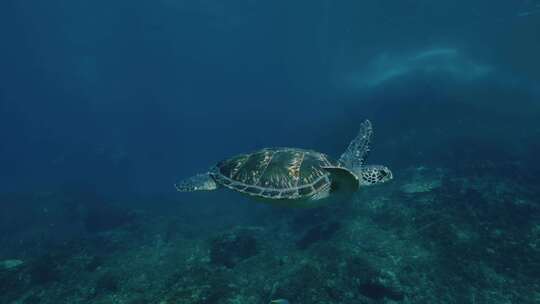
column 276, row 173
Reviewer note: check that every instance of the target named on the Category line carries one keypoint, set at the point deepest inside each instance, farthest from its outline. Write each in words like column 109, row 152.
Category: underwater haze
column 105, row 105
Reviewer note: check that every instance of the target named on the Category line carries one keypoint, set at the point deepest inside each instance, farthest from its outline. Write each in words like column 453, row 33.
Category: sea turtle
column 293, row 176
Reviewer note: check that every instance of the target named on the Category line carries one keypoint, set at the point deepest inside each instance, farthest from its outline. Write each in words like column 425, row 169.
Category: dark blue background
column 126, row 97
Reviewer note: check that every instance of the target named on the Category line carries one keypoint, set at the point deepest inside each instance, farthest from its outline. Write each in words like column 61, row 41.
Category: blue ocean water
column 137, row 96
column 106, row 101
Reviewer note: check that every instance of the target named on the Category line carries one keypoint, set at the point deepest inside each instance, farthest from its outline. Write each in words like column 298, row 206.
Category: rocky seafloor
column 429, row 236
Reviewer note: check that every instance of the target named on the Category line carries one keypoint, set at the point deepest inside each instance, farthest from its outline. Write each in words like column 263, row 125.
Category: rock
column 420, row 186
column 378, row 291
column 107, row 283
column 10, row 264
column 232, row 247
column 318, row 233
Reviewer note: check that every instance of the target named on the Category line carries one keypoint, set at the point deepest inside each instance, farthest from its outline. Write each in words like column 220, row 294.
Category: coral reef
column 432, row 236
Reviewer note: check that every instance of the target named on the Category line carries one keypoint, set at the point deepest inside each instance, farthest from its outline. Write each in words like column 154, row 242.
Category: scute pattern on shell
column 277, row 173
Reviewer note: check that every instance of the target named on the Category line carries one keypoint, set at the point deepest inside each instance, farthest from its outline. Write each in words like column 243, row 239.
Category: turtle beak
column 389, row 175
column 386, row 175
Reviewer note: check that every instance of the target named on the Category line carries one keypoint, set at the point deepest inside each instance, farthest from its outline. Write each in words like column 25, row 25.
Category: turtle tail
column 199, row 182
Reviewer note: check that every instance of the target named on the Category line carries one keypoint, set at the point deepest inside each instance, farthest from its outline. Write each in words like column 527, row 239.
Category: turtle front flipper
column 199, row 182
column 343, row 185
column 356, row 154
column 343, row 181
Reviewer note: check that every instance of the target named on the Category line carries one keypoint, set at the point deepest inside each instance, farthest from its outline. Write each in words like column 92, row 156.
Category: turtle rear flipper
column 199, row 182
column 356, row 154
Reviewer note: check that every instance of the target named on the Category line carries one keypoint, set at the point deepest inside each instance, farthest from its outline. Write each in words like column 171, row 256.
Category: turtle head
column 373, row 174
